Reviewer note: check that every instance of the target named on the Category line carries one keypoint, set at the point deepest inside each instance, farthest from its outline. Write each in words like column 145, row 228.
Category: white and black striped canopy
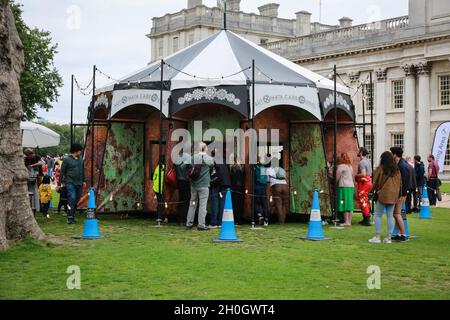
column 224, row 60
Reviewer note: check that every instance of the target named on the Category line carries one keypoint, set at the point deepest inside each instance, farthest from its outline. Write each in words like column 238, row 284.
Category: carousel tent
column 225, row 59
column 214, row 81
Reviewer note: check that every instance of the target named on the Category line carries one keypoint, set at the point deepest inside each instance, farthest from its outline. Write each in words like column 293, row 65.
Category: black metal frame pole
column 225, row 16
column 364, row 114
column 252, row 166
column 371, row 131
column 160, row 162
column 71, row 111
column 92, row 126
column 335, row 145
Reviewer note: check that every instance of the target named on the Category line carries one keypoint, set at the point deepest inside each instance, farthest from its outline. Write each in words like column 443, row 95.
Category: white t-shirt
column 271, row 174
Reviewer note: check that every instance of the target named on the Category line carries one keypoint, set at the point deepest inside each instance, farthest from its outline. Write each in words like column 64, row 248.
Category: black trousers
column 44, row 208
column 261, row 204
column 432, row 186
column 238, row 199
column 184, row 191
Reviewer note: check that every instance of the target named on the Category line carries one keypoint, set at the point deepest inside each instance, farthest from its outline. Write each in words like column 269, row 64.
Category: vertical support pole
column 160, row 197
column 336, row 199
column 372, row 136
column 225, row 16
column 252, row 166
column 364, row 114
column 92, row 126
column 71, row 111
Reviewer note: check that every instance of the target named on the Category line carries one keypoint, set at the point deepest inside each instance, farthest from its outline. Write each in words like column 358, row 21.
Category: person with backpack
column 280, row 191
column 386, row 190
column 420, row 182
column 199, row 176
column 260, row 184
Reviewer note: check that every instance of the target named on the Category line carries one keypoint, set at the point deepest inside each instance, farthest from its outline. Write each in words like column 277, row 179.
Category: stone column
column 380, row 108
column 424, row 126
column 409, row 106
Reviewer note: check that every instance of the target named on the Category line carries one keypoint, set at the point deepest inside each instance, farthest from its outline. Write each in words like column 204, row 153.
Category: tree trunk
column 16, row 218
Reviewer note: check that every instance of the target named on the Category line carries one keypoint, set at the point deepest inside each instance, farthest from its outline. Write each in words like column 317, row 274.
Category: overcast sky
column 111, row 34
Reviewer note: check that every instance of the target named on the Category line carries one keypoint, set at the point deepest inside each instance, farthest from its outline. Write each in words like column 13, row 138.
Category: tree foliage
column 40, row 80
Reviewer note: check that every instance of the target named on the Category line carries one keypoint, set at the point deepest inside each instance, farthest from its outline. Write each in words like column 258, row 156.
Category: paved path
column 445, row 203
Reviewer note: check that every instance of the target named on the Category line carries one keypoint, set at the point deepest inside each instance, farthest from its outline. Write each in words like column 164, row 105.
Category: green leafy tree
column 40, row 80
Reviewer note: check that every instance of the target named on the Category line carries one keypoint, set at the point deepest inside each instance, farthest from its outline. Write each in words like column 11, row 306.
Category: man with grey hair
column 199, row 175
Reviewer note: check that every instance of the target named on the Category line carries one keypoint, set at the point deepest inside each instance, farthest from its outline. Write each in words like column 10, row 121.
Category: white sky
column 111, row 34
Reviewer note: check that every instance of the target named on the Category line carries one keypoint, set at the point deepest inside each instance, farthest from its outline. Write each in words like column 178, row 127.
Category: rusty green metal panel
column 219, row 118
column 123, row 169
column 308, row 168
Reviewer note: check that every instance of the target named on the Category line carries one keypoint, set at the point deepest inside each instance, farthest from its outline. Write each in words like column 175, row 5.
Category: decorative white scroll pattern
column 329, row 101
column 209, row 93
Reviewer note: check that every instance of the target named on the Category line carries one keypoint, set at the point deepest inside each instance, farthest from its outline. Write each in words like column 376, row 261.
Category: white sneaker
column 266, row 224
column 47, row 216
column 387, row 240
column 375, row 240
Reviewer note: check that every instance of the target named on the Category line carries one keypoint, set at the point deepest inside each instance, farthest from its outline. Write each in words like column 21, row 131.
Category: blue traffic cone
column 425, row 205
column 227, row 232
column 315, row 231
column 405, row 222
column 91, row 224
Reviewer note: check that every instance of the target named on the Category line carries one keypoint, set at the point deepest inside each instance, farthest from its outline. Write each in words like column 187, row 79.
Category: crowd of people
column 200, row 179
column 63, row 174
column 398, row 183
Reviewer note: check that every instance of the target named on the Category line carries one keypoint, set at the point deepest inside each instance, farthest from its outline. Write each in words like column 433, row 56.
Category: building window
column 398, row 140
column 160, row 48
column 175, row 44
column 263, row 41
column 444, row 90
column 447, row 155
column 191, row 39
column 397, row 93
column 369, row 145
column 369, row 93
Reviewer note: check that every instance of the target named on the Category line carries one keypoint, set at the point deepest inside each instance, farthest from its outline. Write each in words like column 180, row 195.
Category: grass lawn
column 139, row 261
column 445, row 188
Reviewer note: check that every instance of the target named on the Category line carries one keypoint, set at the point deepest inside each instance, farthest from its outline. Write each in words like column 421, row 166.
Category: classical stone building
column 408, row 56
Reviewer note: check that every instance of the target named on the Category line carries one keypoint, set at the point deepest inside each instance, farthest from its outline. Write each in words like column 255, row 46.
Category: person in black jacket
column 404, row 171
column 237, row 175
column 220, row 182
column 420, row 182
column 412, row 185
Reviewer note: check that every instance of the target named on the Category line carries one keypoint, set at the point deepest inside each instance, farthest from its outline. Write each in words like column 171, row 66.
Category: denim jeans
column 262, row 204
column 73, row 196
column 380, row 207
column 217, row 205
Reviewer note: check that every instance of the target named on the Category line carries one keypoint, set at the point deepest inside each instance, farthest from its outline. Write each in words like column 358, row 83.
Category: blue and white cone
column 315, row 231
column 425, row 206
column 228, row 231
column 405, row 222
column 91, row 223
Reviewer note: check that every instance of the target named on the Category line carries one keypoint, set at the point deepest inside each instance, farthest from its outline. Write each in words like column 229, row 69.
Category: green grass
column 445, row 188
column 139, row 261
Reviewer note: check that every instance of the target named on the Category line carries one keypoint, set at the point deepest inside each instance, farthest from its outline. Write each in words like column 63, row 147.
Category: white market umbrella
column 37, row 136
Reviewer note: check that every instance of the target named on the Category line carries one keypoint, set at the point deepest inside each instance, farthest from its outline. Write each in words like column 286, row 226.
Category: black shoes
column 400, row 238
column 365, row 222
column 204, row 228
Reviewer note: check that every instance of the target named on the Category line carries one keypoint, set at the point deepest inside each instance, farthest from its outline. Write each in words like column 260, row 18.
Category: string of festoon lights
column 271, row 198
